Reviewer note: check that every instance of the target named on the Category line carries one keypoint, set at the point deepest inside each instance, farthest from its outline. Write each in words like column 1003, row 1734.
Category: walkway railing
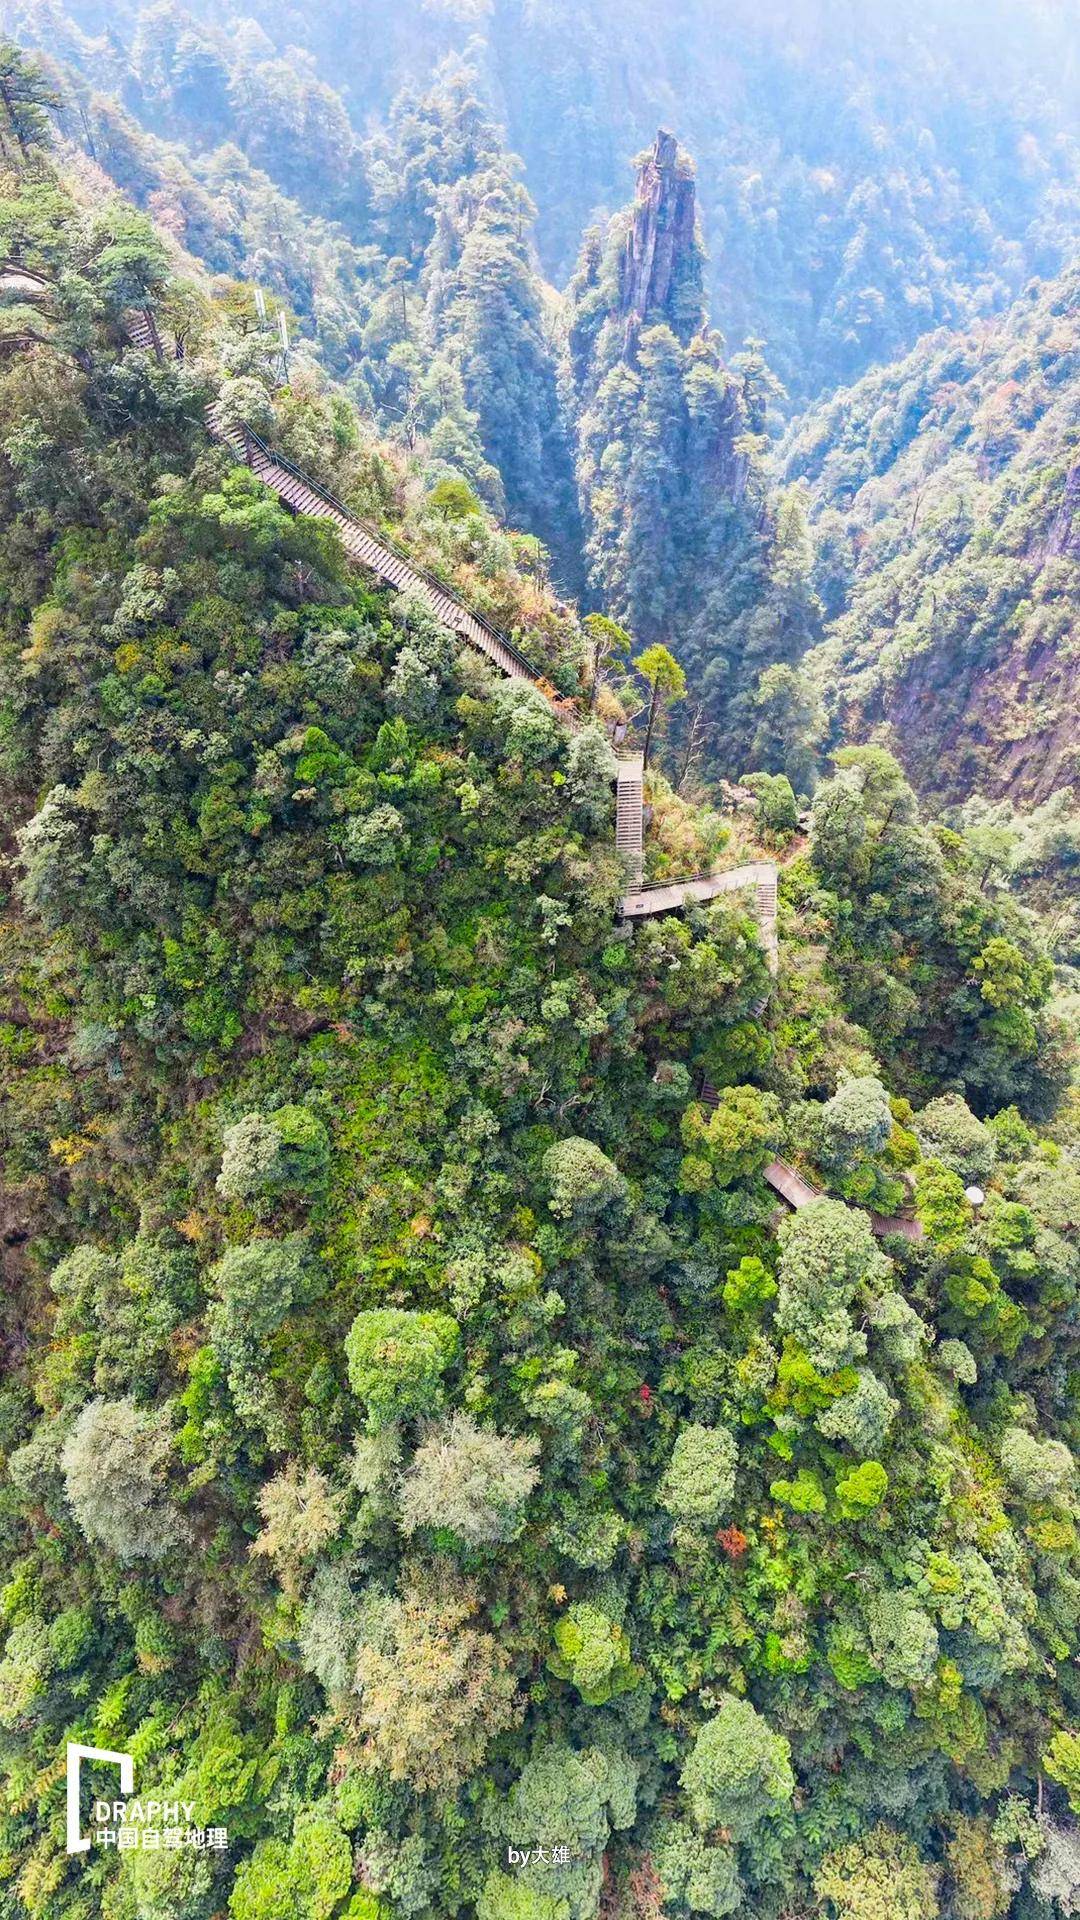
column 391, row 563
column 381, row 555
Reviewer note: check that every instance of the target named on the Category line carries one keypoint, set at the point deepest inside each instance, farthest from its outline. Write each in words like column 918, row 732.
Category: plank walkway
column 790, row 1185
column 21, row 282
column 793, row 1187
column 798, row 1192
column 379, row 556
column 372, row 550
column 388, row 563
column 670, row 897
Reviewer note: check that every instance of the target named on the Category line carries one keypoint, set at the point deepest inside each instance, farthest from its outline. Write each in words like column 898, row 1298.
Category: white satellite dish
column 975, row 1195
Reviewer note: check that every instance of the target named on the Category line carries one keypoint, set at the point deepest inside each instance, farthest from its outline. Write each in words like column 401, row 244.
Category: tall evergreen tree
column 25, row 102
column 432, row 139
column 457, row 225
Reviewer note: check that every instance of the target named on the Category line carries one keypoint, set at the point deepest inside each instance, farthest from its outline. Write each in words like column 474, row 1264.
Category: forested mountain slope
column 416, row 284
column 867, row 172
column 420, row 1438
column 441, row 329
column 945, row 513
column 614, row 423
column 688, row 542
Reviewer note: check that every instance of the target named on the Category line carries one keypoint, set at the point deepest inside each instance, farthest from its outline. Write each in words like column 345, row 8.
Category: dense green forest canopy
column 424, row 1438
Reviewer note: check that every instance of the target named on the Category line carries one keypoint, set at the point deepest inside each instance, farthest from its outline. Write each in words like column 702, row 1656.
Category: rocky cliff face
column 945, row 496
column 661, row 238
column 644, row 269
column 675, row 498
column 1063, row 539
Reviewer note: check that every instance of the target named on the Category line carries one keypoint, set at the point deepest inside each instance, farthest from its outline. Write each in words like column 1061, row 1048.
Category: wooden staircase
column 793, row 1187
column 23, row 283
column 630, row 816
column 379, row 556
column 141, row 329
column 372, row 550
column 766, row 883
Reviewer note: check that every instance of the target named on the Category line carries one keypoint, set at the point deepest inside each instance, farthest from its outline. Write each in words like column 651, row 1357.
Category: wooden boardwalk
column 798, row 1192
column 379, row 556
column 372, row 550
column 21, row 283
column 790, row 1185
column 793, row 1187
column 641, row 902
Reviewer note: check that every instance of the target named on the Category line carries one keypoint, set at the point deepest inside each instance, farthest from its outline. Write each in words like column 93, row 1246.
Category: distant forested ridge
column 610, row 425
column 945, row 518
column 453, row 209
column 867, row 172
column 405, row 259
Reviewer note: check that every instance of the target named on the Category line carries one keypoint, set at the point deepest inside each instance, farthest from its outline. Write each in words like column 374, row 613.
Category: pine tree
column 485, row 313
column 26, row 100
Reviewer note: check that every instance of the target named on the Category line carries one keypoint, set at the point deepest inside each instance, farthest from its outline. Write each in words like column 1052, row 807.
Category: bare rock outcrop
column 1063, row 539
column 661, row 230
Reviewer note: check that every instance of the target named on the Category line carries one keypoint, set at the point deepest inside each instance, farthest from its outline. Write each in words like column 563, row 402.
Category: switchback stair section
column 373, row 551
column 670, row 896
column 382, row 558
